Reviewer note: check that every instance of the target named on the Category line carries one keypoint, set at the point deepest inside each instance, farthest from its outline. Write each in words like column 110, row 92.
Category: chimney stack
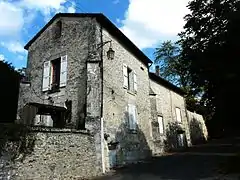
column 157, row 70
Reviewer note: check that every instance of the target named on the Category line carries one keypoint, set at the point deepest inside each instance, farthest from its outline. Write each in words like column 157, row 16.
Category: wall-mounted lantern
column 110, row 53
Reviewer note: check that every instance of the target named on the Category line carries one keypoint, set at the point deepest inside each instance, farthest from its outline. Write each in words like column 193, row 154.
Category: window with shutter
column 180, row 140
column 160, row 124
column 46, row 76
column 57, row 30
column 132, row 117
column 135, row 81
column 55, row 74
column 178, row 115
column 63, row 74
column 125, row 76
column 129, row 79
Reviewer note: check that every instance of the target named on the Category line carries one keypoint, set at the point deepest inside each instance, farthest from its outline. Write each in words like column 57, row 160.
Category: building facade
column 83, row 73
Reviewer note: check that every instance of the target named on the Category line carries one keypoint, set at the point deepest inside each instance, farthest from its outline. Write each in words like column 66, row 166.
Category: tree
column 210, row 50
column 168, row 55
column 9, row 80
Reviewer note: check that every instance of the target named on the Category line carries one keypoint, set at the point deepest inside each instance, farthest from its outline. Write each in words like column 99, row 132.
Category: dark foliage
column 9, row 80
column 210, row 51
column 196, row 132
column 172, row 143
column 16, row 140
column 172, row 68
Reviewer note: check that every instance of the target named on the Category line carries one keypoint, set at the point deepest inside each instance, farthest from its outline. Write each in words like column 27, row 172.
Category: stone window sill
column 131, row 92
column 53, row 91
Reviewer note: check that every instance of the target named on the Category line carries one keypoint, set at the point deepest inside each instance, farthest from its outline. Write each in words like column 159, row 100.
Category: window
column 180, row 138
column 178, row 115
column 132, row 117
column 55, row 74
column 129, row 79
column 160, row 124
column 57, row 30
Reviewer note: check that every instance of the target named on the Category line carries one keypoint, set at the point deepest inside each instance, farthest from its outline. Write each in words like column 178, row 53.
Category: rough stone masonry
column 116, row 102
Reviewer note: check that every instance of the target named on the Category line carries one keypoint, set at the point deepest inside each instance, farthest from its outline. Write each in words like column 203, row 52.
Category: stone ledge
column 58, row 130
column 45, row 129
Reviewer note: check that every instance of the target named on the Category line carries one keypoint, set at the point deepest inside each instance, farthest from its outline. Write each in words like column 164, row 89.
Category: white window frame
column 46, row 76
column 126, row 79
column 135, row 81
column 132, row 117
column 160, row 124
column 125, row 76
column 178, row 115
column 63, row 71
column 48, row 70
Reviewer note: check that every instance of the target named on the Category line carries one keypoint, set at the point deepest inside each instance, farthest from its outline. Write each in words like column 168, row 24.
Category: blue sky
column 146, row 22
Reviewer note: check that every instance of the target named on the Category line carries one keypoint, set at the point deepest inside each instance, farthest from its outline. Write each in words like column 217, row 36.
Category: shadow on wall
column 175, row 137
column 196, row 132
column 129, row 145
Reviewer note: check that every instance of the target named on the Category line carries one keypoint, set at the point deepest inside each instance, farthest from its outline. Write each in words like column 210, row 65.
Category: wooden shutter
column 178, row 115
column 125, row 76
column 135, row 81
column 160, row 123
column 46, row 76
column 135, row 121
column 132, row 117
column 180, row 140
column 63, row 73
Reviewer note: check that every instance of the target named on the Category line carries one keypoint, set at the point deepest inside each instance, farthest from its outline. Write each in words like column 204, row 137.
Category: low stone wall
column 198, row 129
column 49, row 154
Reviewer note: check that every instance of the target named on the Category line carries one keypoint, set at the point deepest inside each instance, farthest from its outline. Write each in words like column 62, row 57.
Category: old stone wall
column 76, row 41
column 164, row 104
column 132, row 146
column 53, row 154
column 198, row 129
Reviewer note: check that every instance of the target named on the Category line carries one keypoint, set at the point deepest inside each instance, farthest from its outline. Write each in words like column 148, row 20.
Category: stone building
column 83, row 73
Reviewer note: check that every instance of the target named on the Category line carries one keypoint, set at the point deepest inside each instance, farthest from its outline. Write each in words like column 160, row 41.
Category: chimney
column 157, row 70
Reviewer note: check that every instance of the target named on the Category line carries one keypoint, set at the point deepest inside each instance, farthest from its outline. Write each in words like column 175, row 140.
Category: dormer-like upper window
column 57, row 30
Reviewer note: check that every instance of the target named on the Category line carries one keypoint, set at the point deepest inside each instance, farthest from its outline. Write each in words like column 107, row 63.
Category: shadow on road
column 181, row 166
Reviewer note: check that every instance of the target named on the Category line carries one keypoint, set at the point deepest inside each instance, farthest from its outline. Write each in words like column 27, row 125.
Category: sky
column 147, row 23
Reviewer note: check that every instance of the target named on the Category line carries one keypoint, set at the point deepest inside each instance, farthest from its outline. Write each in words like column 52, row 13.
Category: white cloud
column 11, row 19
column 149, row 21
column 17, row 21
column 14, row 46
column 46, row 7
column 118, row 20
column 2, row 57
column 71, row 9
column 42, row 4
column 20, row 57
column 15, row 15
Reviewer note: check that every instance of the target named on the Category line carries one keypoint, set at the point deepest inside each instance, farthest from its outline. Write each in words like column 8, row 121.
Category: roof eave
column 106, row 23
column 166, row 84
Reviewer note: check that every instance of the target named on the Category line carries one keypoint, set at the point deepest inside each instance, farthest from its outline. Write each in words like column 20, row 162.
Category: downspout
column 189, row 143
column 171, row 104
column 101, row 113
column 102, row 147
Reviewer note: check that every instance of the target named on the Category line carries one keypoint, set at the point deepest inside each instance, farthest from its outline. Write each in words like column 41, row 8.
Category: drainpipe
column 189, row 143
column 102, row 130
column 102, row 146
